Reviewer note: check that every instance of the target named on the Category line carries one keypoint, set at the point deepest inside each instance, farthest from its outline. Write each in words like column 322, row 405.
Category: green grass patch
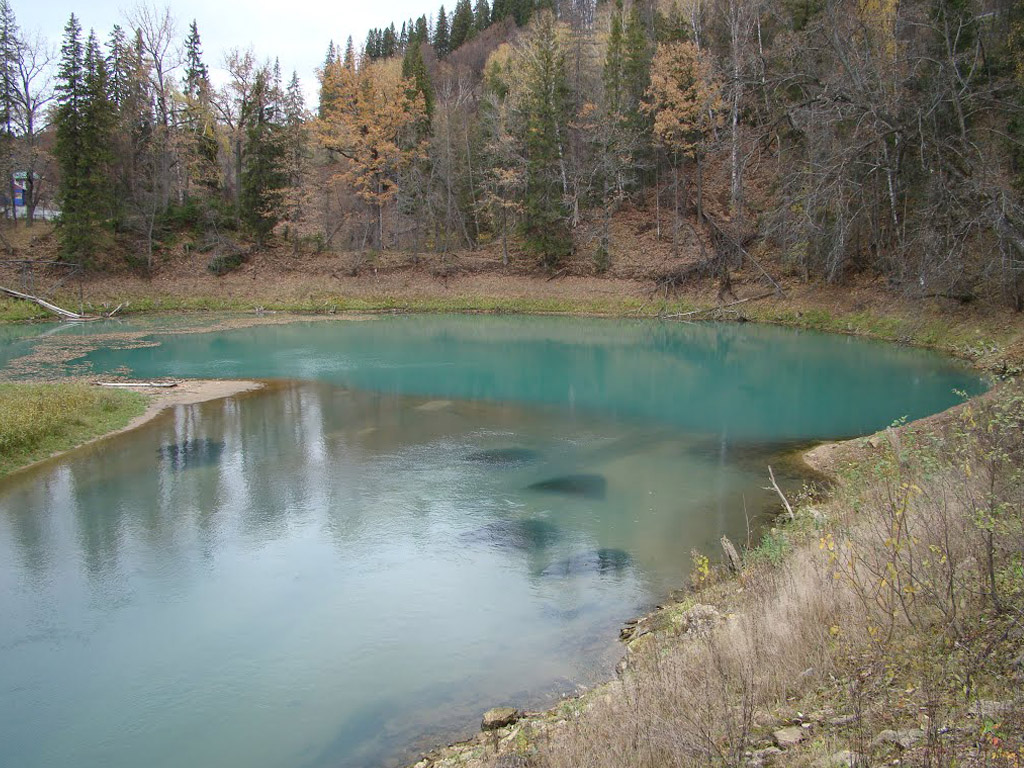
column 323, row 304
column 17, row 311
column 41, row 419
column 772, row 550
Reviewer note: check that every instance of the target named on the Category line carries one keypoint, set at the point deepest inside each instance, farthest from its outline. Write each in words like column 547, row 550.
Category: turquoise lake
column 419, row 518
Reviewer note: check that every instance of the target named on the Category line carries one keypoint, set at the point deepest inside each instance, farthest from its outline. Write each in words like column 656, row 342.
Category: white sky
column 296, row 33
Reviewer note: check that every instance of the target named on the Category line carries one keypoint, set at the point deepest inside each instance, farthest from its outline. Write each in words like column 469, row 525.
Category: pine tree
column 199, row 121
column 122, row 67
column 197, row 76
column 129, row 80
column 671, row 27
column 296, row 157
column 544, row 110
column 521, row 10
column 415, row 71
column 462, row 25
column 349, row 62
column 84, row 124
column 614, row 63
column 636, row 65
column 422, row 33
column 442, row 41
column 329, row 61
column 389, row 43
column 99, row 121
column 263, row 176
column 9, row 45
column 372, row 46
column 481, row 15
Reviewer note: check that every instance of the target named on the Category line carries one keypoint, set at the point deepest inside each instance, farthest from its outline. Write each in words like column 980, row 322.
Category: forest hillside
column 817, row 139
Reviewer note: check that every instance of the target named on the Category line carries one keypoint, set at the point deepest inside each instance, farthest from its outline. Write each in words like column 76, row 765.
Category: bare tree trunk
column 380, row 215
column 504, row 236
column 675, row 208
column 238, row 180
column 30, row 199
column 736, row 34
column 657, row 201
column 472, row 189
column 700, row 188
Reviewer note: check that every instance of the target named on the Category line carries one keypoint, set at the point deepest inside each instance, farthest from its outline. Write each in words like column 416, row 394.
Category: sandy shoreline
column 187, row 392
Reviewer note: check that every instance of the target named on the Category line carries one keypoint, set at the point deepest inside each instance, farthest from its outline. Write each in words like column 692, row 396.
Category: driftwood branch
column 719, row 308
column 62, row 313
column 725, row 246
column 732, row 557
column 724, row 238
column 129, row 384
column 785, row 501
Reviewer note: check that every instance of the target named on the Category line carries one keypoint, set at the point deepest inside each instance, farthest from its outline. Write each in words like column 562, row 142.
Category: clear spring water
column 424, row 517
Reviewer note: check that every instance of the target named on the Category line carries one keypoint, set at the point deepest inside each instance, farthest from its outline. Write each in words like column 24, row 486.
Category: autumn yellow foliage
column 685, row 97
column 369, row 126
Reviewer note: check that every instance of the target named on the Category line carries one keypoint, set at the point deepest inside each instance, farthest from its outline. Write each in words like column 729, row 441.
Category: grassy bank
column 16, row 311
column 42, row 419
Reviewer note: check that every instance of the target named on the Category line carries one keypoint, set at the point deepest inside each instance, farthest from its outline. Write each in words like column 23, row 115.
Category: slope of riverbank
column 881, row 624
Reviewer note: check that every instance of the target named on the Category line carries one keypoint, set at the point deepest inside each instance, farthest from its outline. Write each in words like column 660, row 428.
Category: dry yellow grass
column 40, row 419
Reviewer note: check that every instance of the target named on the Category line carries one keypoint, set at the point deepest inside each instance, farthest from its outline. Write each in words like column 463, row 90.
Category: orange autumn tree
column 369, row 124
column 685, row 99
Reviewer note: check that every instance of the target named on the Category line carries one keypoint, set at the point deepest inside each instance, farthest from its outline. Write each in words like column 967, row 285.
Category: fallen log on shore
column 63, row 314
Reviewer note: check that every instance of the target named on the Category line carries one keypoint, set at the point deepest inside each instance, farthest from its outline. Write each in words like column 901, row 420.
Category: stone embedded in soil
column 843, row 720
column 499, row 717
column 842, row 759
column 762, row 757
column 904, row 739
column 789, row 737
column 989, row 708
column 511, row 761
column 700, row 620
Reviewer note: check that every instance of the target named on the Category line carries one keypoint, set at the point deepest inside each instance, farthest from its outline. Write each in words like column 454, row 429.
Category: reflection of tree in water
column 602, row 562
column 192, row 453
column 100, row 527
column 29, row 510
column 531, row 537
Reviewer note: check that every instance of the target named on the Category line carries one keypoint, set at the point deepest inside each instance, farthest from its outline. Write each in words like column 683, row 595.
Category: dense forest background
column 824, row 138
